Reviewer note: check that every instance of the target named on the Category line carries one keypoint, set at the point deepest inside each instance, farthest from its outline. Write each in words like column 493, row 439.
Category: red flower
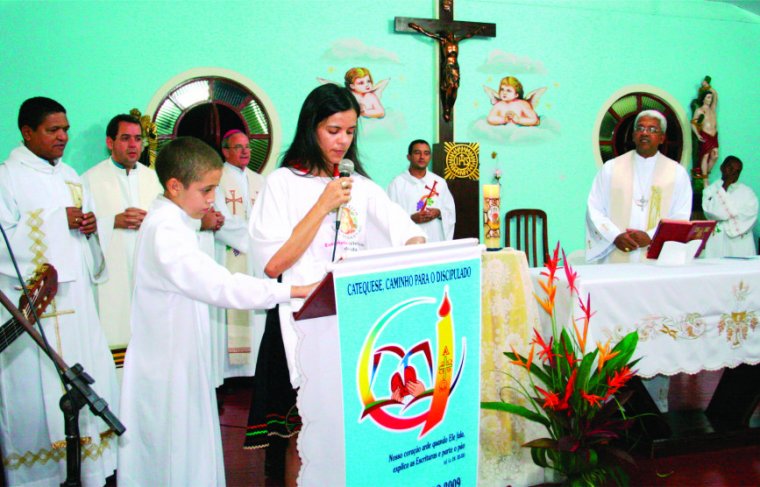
column 546, row 349
column 551, row 399
column 592, row 399
column 618, row 380
column 570, row 274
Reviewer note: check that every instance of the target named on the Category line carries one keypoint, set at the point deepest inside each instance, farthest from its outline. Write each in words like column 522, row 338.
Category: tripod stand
column 76, row 382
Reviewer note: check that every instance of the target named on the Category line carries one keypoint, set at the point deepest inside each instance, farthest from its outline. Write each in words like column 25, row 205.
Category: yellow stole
column 621, row 195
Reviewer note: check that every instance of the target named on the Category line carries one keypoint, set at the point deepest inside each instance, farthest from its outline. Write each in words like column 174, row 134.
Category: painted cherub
column 359, row 81
column 509, row 105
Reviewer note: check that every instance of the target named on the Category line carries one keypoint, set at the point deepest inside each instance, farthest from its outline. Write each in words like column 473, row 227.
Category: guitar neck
column 9, row 331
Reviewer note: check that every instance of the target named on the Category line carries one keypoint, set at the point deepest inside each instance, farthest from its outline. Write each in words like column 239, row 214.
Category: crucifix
column 462, row 180
column 448, row 32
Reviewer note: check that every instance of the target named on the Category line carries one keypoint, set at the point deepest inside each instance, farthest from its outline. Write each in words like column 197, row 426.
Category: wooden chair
column 527, row 222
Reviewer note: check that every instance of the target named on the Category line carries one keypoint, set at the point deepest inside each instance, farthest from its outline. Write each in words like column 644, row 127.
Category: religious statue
column 448, row 43
column 704, row 125
column 149, row 136
column 511, row 106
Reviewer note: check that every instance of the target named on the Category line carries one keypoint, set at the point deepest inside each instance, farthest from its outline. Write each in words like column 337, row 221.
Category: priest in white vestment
column 734, row 206
column 632, row 193
column 123, row 190
column 47, row 215
column 425, row 196
column 629, row 197
column 241, row 330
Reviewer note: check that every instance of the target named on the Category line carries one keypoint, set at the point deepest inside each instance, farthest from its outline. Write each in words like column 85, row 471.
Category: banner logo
column 417, row 392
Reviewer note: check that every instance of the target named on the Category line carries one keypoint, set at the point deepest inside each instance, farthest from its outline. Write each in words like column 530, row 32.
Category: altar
column 509, row 315
column 701, row 316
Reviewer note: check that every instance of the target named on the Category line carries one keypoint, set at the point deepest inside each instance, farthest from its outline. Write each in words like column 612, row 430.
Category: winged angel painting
column 359, row 81
column 510, row 106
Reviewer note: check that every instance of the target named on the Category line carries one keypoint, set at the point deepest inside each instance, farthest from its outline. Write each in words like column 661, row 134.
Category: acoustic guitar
column 42, row 287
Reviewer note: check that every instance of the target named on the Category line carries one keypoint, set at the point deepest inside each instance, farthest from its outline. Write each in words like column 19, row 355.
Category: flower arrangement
column 574, row 392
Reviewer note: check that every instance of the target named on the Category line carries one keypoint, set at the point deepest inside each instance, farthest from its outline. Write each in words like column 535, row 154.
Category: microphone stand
column 78, row 393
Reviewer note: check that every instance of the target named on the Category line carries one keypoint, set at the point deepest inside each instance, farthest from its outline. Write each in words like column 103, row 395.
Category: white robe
column 168, row 398
column 736, row 213
column 234, row 235
column 369, row 220
column 601, row 231
column 113, row 191
column 33, row 200
column 408, row 191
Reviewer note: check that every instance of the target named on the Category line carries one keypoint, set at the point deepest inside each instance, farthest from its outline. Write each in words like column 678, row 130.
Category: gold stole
column 621, row 195
column 238, row 324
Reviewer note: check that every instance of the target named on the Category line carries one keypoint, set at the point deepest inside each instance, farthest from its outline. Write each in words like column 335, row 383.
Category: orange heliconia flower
column 586, row 308
column 604, row 354
column 527, row 362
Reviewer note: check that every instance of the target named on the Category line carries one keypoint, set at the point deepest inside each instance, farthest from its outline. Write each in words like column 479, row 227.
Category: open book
column 682, row 231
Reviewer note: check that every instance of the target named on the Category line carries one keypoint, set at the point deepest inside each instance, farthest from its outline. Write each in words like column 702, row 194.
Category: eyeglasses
column 651, row 130
column 238, row 147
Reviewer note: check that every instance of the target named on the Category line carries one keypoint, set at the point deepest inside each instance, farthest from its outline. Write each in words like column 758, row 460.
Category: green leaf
column 515, row 409
column 546, row 443
column 582, row 381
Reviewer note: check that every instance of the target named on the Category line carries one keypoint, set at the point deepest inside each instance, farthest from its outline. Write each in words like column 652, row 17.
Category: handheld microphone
column 345, row 169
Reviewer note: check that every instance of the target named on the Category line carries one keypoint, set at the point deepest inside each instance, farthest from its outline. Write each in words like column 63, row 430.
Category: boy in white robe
column 169, row 403
column 424, row 195
column 47, row 216
column 123, row 190
column 734, row 206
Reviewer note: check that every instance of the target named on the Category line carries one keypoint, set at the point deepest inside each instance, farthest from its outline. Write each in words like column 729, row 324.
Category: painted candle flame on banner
column 389, row 404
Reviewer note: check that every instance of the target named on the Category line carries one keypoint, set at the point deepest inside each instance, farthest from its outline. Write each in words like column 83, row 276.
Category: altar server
column 169, row 402
column 734, row 206
column 122, row 190
column 424, row 195
column 47, row 214
column 632, row 193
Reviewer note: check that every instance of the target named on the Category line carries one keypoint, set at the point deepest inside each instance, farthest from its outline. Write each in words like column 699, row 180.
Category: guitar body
column 41, row 288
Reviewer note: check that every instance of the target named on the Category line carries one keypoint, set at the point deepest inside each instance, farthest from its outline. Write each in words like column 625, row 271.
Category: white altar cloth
column 701, row 316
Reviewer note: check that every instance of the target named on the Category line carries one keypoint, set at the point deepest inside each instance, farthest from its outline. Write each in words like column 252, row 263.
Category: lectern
column 390, row 393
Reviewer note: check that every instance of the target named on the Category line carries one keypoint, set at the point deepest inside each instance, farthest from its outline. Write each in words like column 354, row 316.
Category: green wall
column 102, row 58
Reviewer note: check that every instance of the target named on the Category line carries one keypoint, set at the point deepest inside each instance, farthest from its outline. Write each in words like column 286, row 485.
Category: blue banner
column 409, row 342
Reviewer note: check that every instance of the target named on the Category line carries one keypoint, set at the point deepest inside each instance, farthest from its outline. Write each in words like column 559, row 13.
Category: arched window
column 207, row 107
column 614, row 132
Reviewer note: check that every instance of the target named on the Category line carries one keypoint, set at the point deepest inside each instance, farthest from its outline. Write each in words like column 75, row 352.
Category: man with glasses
column 632, row 193
column 122, row 190
column 238, row 333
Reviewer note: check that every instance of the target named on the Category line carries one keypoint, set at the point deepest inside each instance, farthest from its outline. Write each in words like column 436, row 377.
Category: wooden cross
column 432, row 193
column 233, row 200
column 448, row 32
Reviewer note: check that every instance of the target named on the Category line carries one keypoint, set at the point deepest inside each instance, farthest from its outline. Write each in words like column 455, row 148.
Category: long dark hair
column 322, row 102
